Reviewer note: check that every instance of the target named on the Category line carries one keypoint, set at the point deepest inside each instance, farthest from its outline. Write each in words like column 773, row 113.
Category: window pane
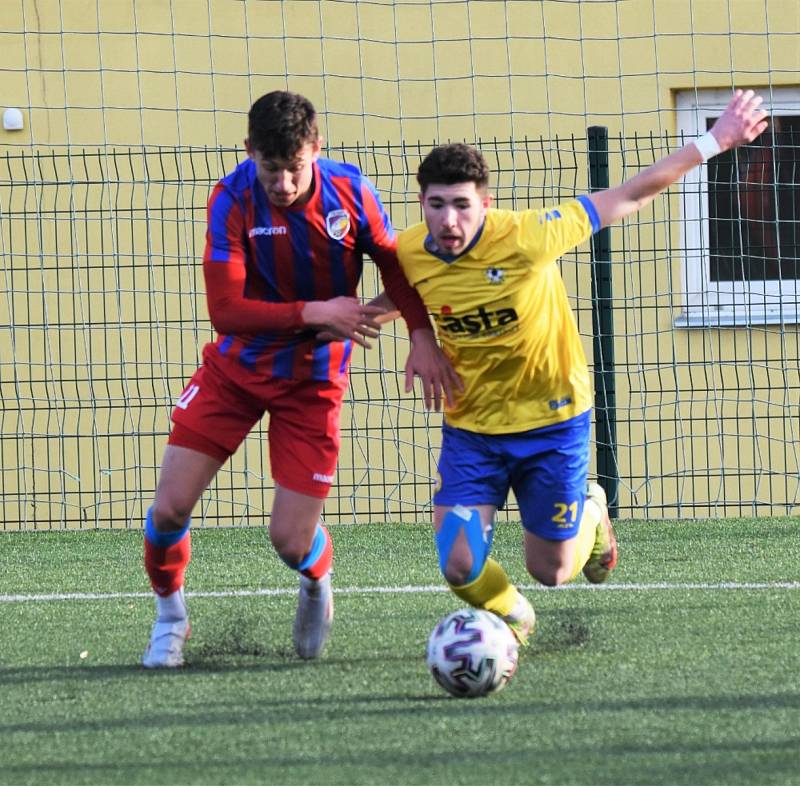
column 754, row 207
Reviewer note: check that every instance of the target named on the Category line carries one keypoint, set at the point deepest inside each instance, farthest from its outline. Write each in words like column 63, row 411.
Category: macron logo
column 256, row 231
column 320, row 478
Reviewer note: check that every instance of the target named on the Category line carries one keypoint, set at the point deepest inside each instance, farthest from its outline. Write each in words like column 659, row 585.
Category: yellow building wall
column 185, row 72
column 93, row 79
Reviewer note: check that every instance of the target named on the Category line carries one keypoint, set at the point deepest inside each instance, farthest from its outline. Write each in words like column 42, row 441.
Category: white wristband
column 707, row 145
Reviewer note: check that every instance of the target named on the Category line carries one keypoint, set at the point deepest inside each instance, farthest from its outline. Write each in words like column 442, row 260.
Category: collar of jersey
column 448, row 258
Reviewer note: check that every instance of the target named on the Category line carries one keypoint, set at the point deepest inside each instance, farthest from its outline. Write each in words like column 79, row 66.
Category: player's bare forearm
column 617, row 203
column 740, row 123
column 391, row 311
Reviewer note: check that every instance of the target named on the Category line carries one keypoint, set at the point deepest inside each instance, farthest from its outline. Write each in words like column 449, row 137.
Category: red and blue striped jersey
column 262, row 263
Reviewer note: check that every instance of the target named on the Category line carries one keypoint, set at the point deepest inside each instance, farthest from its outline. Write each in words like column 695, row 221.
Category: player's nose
column 449, row 217
column 283, row 181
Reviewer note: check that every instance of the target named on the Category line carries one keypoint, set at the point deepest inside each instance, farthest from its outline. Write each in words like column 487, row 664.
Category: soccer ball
column 472, row 653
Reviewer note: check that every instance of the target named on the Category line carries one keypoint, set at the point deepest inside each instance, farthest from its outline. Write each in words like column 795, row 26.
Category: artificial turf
column 683, row 669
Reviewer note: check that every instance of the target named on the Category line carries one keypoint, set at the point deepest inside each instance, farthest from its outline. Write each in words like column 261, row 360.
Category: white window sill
column 740, row 317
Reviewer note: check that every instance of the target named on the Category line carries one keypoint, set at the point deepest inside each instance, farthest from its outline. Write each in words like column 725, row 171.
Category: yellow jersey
column 504, row 320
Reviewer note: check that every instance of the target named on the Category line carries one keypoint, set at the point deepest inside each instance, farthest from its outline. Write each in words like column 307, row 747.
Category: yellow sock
column 584, row 540
column 491, row 590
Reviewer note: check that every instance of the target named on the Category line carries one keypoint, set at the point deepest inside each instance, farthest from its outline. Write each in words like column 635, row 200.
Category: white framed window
column 740, row 228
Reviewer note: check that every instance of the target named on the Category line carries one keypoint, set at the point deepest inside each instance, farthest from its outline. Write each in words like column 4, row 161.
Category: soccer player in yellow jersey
column 522, row 421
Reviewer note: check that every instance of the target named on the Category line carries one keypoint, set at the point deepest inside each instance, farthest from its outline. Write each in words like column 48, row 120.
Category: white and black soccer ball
column 472, row 653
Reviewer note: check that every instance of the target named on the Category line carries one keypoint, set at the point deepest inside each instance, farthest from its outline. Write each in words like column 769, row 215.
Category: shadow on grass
column 259, row 706
column 254, row 767
column 220, row 662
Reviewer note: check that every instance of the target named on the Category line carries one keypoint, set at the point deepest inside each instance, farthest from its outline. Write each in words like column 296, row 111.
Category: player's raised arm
column 740, row 123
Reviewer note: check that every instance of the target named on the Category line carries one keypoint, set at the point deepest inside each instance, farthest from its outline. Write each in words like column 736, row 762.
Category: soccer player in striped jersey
column 287, row 232
column 491, row 280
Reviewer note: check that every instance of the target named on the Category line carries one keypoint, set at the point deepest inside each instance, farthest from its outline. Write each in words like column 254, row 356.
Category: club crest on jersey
column 494, row 275
column 337, row 224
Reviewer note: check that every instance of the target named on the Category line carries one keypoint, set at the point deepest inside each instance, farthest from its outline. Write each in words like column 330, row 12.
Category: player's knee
column 458, row 571
column 289, row 545
column 550, row 574
column 550, row 577
column 169, row 516
column 461, row 564
column 286, row 547
column 290, row 554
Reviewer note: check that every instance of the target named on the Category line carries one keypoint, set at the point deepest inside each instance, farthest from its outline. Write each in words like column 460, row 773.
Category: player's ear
column 487, row 201
column 316, row 149
column 248, row 147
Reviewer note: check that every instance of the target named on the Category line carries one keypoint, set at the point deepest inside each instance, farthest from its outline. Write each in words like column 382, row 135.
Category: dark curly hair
column 453, row 163
column 280, row 123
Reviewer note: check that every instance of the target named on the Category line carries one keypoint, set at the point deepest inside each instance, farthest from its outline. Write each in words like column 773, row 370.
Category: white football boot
column 170, row 632
column 312, row 623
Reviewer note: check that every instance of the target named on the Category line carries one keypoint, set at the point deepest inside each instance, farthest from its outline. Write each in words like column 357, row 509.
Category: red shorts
column 215, row 413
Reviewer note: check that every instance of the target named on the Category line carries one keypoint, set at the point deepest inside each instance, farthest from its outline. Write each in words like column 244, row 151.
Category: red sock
column 323, row 563
column 166, row 565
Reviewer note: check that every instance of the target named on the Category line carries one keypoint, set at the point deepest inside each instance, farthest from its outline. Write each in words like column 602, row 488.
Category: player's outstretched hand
column 741, row 122
column 344, row 317
column 427, row 361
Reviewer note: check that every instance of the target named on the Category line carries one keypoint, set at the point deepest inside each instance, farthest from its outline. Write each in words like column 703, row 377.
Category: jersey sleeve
column 549, row 233
column 380, row 242
column 225, row 273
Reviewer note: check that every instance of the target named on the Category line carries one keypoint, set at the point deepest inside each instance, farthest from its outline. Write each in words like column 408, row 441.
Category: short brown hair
column 453, row 163
column 280, row 123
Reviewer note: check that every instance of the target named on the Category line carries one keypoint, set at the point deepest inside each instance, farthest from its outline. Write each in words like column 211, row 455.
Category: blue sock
column 162, row 539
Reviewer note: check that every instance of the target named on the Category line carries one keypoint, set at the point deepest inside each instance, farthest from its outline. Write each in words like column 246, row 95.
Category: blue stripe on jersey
column 320, row 361
column 387, row 225
column 218, row 226
column 226, row 344
column 301, row 253
column 264, row 243
column 283, row 362
column 364, row 237
column 331, row 201
column 364, row 233
column 348, row 350
column 591, row 211
column 254, row 349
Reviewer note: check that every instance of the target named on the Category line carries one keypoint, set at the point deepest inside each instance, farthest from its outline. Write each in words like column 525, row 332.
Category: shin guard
column 319, row 559
column 479, row 543
column 166, row 555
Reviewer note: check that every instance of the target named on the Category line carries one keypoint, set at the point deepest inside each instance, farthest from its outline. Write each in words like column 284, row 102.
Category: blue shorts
column 546, row 468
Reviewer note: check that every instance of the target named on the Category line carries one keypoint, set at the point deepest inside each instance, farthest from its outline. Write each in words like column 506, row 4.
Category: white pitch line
column 721, row 586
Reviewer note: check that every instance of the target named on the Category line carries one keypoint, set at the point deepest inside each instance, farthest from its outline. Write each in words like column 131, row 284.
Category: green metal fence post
column 603, row 330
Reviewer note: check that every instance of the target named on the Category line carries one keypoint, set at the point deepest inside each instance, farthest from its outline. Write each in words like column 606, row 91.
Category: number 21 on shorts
column 566, row 513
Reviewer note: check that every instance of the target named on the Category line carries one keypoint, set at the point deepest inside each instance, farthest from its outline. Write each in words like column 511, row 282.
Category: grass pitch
column 682, row 670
